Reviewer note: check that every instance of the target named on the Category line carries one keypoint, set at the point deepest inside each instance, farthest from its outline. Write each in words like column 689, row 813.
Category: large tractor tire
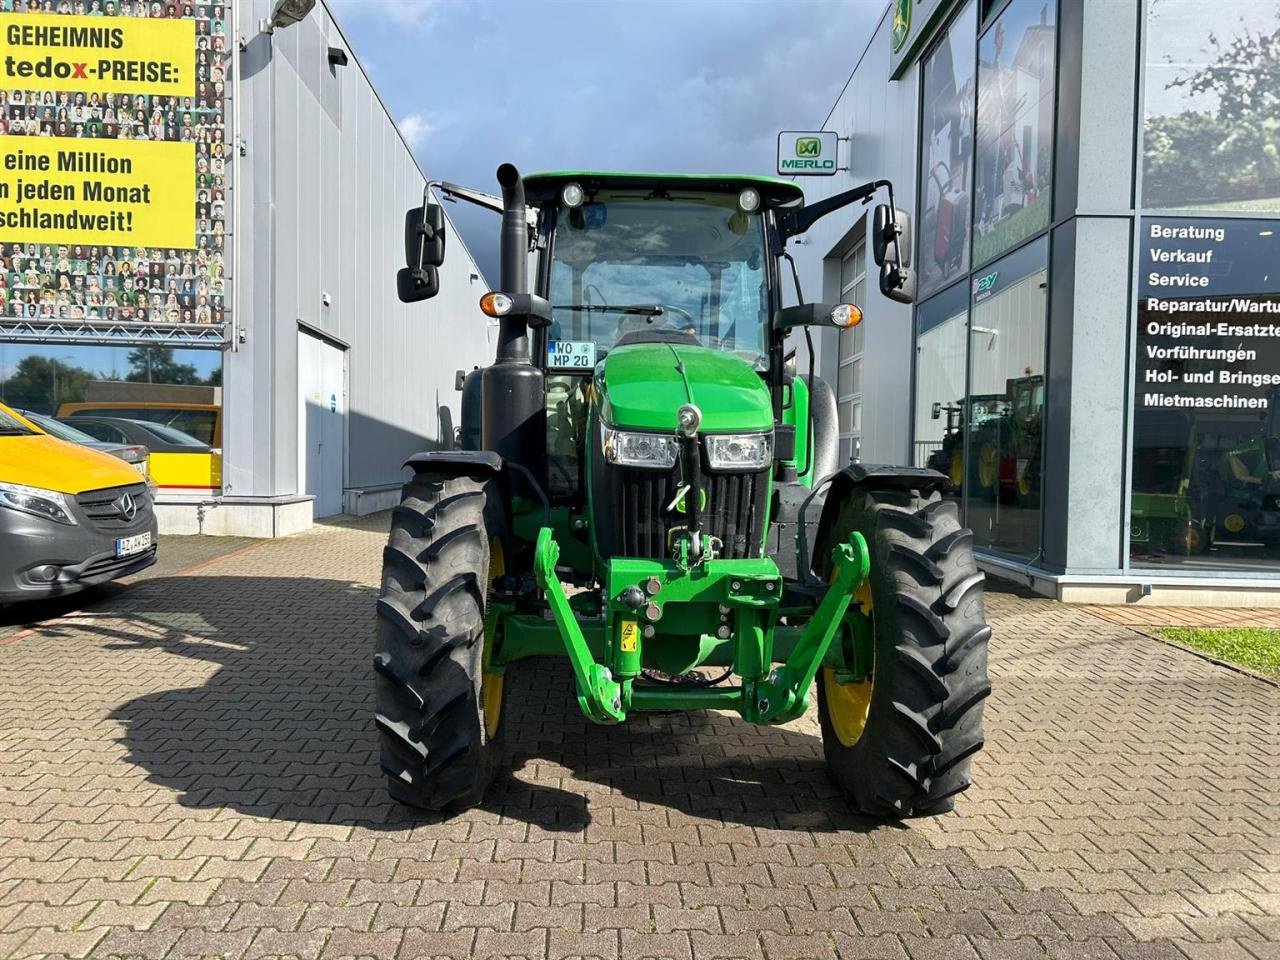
column 899, row 743
column 438, row 712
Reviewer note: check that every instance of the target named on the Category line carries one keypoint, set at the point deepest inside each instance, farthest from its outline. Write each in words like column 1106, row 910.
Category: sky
column 672, row 85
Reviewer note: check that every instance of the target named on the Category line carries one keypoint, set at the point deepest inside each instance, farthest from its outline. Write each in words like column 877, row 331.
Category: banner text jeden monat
column 98, row 54
column 75, row 190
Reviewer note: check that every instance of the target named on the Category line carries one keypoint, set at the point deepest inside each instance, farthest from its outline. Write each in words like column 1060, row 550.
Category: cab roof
column 544, row 187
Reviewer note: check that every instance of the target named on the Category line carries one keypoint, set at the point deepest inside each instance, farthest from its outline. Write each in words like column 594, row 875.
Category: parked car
column 136, row 454
column 178, row 460
column 202, row 420
column 70, row 516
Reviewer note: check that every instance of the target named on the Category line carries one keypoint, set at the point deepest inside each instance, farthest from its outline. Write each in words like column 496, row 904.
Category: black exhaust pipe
column 514, row 417
column 513, row 256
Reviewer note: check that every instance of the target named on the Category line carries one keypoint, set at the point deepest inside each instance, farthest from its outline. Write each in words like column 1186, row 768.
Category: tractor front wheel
column 899, row 741
column 438, row 736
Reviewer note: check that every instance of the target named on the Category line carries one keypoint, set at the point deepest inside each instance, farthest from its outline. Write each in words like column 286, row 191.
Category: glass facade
column 1206, row 422
column 1016, row 66
column 946, row 164
column 981, row 327
column 168, row 400
column 1005, row 411
column 1212, row 95
column 942, row 336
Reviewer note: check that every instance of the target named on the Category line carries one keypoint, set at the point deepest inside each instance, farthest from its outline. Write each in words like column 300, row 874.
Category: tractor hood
column 644, row 384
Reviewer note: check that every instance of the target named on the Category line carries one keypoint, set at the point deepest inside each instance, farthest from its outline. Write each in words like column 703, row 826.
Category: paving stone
column 189, row 769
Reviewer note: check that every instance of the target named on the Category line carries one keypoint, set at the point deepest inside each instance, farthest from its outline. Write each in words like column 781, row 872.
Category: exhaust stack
column 513, row 256
column 514, row 404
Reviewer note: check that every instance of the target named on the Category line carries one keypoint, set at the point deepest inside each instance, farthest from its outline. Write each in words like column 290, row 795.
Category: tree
column 43, row 384
column 1229, row 152
column 156, row 365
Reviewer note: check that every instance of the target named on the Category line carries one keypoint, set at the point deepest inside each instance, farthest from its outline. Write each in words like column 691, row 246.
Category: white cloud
column 416, row 129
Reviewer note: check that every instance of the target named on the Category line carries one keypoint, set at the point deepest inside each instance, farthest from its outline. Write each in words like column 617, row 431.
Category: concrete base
column 234, row 516
column 1137, row 589
column 362, row 501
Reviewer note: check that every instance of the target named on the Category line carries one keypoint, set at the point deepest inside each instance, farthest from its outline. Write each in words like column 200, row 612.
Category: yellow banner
column 98, row 54
column 72, row 190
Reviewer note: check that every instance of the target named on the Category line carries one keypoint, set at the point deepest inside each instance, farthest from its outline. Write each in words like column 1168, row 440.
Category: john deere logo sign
column 807, row 154
column 901, row 23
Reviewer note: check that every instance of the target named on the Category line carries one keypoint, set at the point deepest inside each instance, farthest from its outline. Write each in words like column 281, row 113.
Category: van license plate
column 128, row 546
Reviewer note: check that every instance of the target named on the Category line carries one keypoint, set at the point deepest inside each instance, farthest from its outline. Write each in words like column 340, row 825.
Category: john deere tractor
column 648, row 489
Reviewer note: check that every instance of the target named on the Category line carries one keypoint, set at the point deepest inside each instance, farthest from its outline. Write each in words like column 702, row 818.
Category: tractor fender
column 877, row 476
column 471, row 463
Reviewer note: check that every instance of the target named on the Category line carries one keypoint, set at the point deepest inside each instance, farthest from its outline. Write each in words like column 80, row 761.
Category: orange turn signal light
column 846, row 315
column 494, row 304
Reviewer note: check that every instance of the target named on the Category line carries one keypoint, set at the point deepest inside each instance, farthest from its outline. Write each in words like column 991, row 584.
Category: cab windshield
column 681, row 267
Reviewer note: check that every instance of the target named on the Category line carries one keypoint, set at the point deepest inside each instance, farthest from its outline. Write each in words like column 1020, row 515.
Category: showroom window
column 942, row 333
column 1004, row 414
column 1206, row 419
column 166, row 399
column 1211, row 98
column 1013, row 177
column 853, row 289
column 946, row 162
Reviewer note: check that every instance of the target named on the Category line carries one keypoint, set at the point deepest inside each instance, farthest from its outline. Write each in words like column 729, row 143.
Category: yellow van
column 185, row 439
column 70, row 516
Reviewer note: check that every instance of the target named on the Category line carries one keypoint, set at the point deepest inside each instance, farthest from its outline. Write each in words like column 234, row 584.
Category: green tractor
column 648, row 488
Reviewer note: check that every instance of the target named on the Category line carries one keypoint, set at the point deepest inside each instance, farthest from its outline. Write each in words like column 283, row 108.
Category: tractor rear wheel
column 899, row 743
column 438, row 736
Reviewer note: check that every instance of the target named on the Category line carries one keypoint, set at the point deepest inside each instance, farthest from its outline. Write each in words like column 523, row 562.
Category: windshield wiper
column 15, row 431
column 642, row 309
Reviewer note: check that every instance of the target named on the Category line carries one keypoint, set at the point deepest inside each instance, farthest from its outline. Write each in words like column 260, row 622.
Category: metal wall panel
column 881, row 118
column 323, row 198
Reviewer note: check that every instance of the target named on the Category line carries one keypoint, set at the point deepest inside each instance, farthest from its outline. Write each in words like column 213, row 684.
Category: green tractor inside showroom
column 647, row 487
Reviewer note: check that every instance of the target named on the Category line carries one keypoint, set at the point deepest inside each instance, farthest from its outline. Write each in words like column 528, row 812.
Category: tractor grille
column 633, row 520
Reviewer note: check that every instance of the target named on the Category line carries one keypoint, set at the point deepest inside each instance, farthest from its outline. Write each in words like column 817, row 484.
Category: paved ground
column 176, row 554
column 1144, row 615
column 187, row 769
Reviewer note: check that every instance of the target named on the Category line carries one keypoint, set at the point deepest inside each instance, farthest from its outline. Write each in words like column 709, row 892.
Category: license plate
column 571, row 355
column 128, row 546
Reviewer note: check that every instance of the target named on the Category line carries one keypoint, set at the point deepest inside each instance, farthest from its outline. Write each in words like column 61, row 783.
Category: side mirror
column 890, row 236
column 424, row 236
column 417, row 283
column 898, row 283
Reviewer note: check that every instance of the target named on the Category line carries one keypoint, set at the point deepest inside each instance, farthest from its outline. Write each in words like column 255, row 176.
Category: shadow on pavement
column 284, row 727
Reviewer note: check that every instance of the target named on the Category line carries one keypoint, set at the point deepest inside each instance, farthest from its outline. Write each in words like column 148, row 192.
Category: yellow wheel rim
column 490, row 680
column 987, row 466
column 957, row 468
column 848, row 703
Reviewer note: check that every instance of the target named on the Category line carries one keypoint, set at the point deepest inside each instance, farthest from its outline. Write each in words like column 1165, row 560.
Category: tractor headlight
column 739, row 451
column 47, row 504
column 626, row 449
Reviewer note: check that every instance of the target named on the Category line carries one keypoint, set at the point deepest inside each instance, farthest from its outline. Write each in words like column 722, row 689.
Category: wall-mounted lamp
column 286, row 13
column 337, row 57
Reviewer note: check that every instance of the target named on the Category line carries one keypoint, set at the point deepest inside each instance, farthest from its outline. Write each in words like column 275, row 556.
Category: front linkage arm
column 784, row 695
column 776, row 696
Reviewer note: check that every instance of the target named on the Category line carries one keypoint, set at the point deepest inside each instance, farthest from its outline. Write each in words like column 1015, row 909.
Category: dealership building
column 1093, row 354
column 240, row 290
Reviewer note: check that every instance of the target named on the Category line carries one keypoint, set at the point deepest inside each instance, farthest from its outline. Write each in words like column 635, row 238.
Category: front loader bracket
column 784, row 694
column 599, row 695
